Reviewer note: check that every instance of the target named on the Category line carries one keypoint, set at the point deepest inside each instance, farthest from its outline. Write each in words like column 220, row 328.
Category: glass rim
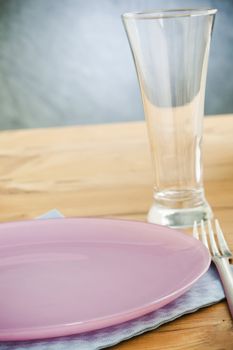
column 169, row 13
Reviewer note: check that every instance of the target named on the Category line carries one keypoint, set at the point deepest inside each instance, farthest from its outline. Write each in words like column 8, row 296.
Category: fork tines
column 208, row 238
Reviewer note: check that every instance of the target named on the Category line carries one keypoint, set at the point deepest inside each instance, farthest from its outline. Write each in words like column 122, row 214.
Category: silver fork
column 220, row 256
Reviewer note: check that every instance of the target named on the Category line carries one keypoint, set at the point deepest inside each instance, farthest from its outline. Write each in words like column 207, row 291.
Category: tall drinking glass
column 170, row 50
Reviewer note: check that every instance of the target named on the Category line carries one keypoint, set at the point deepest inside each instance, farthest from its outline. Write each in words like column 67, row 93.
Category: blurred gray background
column 65, row 62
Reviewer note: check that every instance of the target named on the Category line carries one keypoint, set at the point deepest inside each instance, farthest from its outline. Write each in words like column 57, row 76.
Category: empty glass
column 170, row 50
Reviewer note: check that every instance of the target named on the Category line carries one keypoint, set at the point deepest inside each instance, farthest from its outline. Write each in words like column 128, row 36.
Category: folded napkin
column 206, row 291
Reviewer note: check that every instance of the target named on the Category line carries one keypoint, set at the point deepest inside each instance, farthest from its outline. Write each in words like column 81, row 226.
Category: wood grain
column 105, row 170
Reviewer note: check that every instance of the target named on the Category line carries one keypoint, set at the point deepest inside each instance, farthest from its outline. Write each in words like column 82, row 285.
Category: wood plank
column 105, row 170
column 97, row 170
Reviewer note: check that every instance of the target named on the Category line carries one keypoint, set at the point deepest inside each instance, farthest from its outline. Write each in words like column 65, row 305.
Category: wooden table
column 105, row 170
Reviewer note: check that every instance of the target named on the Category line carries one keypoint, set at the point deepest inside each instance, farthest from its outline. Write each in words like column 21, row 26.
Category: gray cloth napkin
column 206, row 291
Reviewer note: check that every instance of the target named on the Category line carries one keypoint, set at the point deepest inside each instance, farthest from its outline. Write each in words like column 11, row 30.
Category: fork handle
column 226, row 275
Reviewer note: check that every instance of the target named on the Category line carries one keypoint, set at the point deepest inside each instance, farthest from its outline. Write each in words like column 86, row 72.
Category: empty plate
column 66, row 276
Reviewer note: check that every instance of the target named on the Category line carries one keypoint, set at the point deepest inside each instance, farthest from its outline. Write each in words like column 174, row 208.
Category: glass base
column 177, row 211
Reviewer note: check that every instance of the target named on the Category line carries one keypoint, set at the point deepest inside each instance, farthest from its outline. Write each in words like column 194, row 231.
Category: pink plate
column 66, row 276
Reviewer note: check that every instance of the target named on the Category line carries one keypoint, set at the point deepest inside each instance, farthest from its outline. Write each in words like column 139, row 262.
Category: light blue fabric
column 206, row 291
